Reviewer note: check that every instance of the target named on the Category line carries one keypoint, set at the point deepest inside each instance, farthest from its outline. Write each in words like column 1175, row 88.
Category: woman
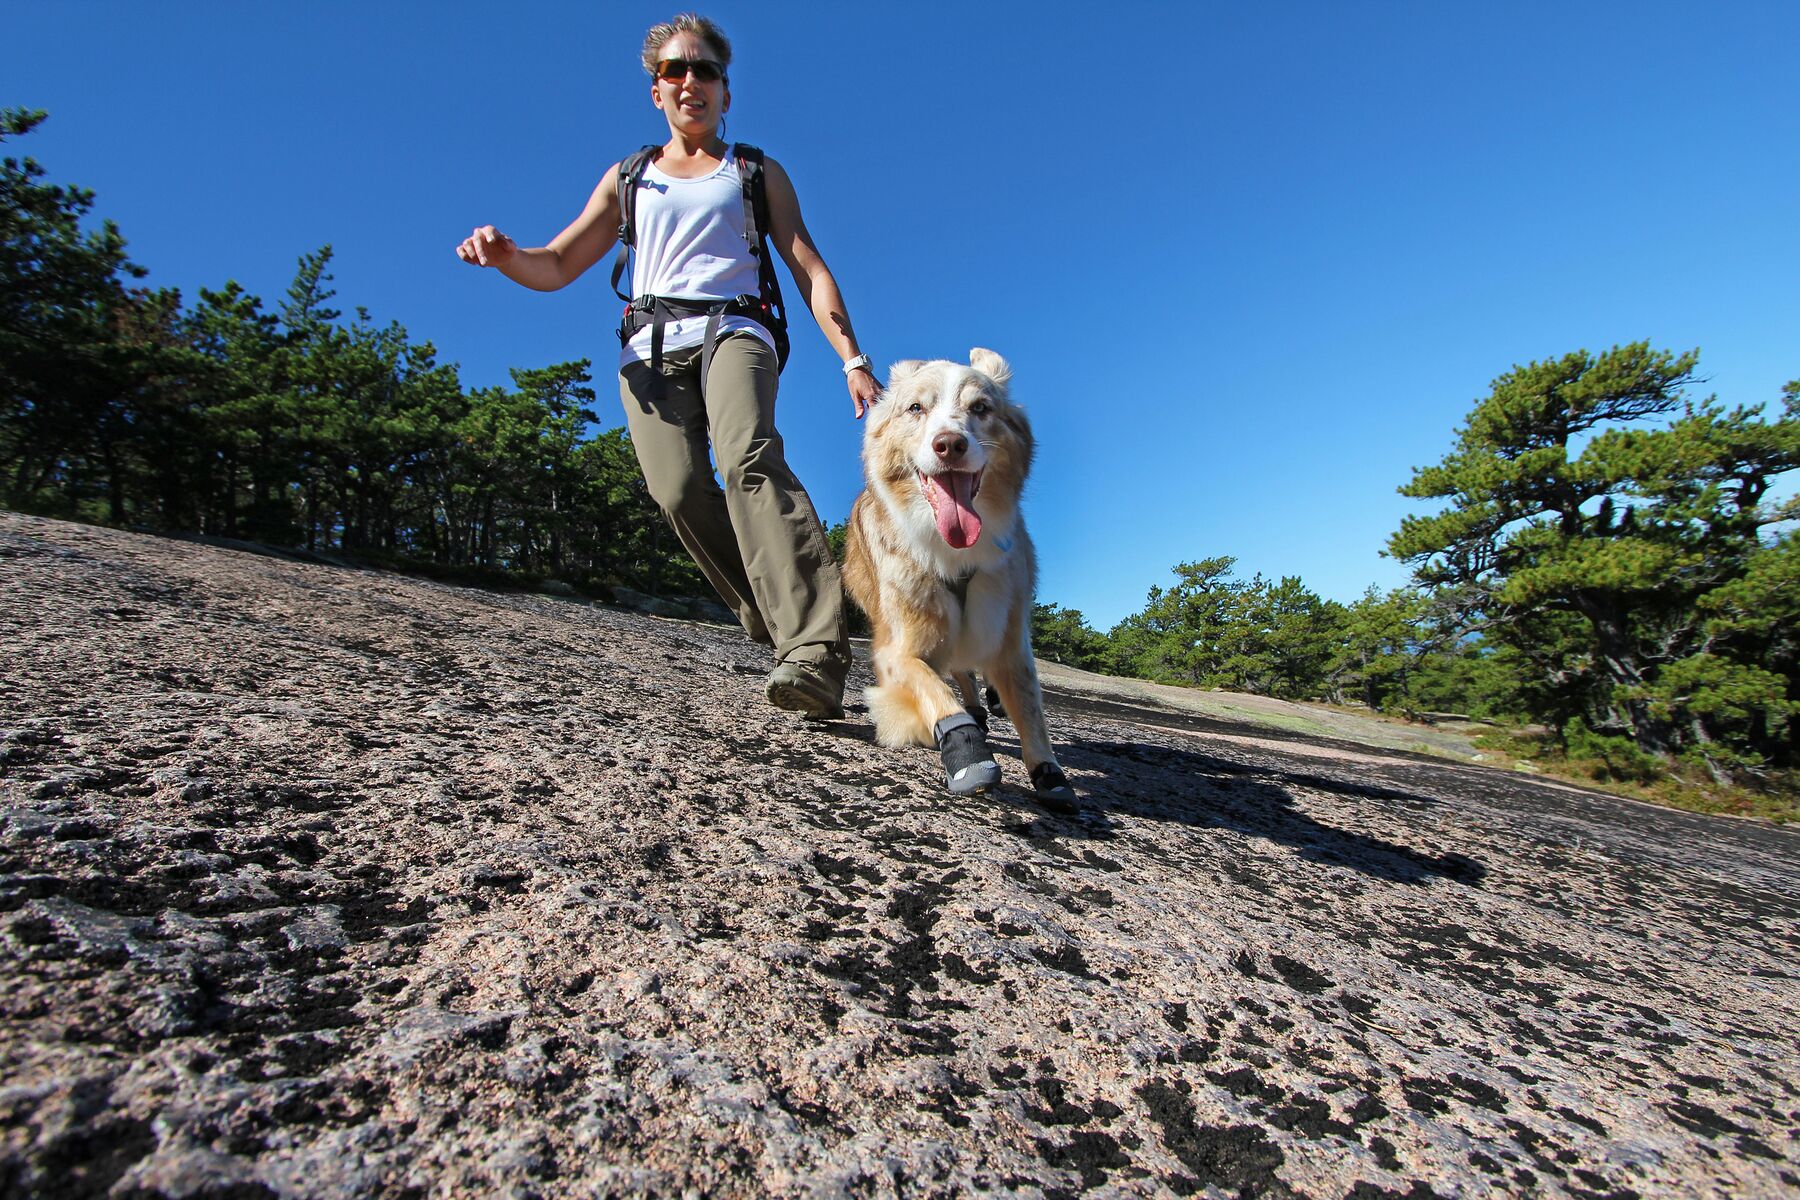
column 758, row 539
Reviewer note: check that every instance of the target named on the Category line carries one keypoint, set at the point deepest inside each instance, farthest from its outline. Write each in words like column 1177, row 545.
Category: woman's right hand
column 487, row 247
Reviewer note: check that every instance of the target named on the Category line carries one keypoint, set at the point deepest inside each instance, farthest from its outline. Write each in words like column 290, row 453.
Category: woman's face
column 691, row 105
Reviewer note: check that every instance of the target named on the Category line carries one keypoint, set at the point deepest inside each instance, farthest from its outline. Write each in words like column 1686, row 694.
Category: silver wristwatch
column 857, row 364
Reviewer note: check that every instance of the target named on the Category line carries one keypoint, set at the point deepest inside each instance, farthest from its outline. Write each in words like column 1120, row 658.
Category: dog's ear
column 991, row 365
column 903, row 370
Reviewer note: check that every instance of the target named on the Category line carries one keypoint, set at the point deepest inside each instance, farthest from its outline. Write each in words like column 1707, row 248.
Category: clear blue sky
column 1252, row 264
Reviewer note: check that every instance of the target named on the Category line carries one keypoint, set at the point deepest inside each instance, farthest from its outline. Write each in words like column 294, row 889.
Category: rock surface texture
column 324, row 882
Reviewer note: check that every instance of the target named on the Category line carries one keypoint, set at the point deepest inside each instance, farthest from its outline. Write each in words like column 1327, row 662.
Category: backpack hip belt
column 658, row 311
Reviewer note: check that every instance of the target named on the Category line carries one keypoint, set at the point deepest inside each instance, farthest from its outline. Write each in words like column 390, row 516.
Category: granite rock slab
column 326, row 882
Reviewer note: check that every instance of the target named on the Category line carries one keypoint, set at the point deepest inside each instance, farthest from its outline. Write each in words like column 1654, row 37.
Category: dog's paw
column 973, row 779
column 1052, row 787
column 969, row 765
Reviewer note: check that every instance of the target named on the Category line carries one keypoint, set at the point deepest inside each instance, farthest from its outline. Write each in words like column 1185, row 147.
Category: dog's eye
column 979, row 408
column 915, row 406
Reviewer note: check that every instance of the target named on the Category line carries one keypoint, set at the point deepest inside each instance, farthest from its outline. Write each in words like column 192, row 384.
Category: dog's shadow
column 1187, row 787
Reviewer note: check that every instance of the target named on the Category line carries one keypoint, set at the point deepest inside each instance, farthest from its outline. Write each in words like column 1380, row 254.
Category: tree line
column 291, row 425
column 1609, row 563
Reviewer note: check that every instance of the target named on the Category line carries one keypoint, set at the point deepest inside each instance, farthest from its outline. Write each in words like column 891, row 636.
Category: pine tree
column 61, row 290
column 1590, row 542
column 1063, row 635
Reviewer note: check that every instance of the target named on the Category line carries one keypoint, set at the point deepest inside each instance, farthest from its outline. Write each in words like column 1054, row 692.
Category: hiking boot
column 969, row 765
column 806, row 689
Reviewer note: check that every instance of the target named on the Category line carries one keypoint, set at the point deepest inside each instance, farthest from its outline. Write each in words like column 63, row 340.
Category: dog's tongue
column 956, row 519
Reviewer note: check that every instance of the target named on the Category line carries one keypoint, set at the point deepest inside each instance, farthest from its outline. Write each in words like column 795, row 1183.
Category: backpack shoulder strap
column 756, row 232
column 756, row 196
column 631, row 170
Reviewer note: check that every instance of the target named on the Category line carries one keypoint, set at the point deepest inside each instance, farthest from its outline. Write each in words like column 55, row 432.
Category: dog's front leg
column 913, row 698
column 1014, row 676
column 914, row 703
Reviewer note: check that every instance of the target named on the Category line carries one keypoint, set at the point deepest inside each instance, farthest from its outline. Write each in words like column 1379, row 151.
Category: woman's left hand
column 864, row 390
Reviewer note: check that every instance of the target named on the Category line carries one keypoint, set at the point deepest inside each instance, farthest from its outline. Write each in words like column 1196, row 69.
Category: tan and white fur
column 946, row 440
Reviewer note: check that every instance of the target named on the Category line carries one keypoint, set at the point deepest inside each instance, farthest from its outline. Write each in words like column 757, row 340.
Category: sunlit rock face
column 326, row 882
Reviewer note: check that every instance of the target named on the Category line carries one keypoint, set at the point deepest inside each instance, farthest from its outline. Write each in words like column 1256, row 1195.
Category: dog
column 937, row 555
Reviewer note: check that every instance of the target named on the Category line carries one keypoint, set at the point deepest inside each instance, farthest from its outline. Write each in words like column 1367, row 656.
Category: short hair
column 685, row 23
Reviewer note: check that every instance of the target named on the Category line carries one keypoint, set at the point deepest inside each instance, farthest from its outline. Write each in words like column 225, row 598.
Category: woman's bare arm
column 818, row 287
column 571, row 252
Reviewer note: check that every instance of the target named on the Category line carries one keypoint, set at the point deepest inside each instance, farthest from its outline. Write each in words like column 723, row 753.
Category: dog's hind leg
column 970, row 687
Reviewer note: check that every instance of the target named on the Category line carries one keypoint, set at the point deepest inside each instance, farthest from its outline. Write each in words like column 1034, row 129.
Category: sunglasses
column 676, row 69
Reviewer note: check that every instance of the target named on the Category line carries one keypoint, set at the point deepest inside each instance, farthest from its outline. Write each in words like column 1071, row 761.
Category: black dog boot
column 969, row 766
column 1052, row 787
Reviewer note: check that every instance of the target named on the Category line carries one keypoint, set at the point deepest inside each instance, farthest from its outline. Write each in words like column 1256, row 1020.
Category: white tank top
column 690, row 244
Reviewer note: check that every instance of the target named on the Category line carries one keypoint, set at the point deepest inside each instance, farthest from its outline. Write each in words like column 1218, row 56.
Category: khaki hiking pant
column 757, row 540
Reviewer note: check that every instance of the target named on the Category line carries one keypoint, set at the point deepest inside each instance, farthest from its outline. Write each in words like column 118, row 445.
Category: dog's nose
column 950, row 445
